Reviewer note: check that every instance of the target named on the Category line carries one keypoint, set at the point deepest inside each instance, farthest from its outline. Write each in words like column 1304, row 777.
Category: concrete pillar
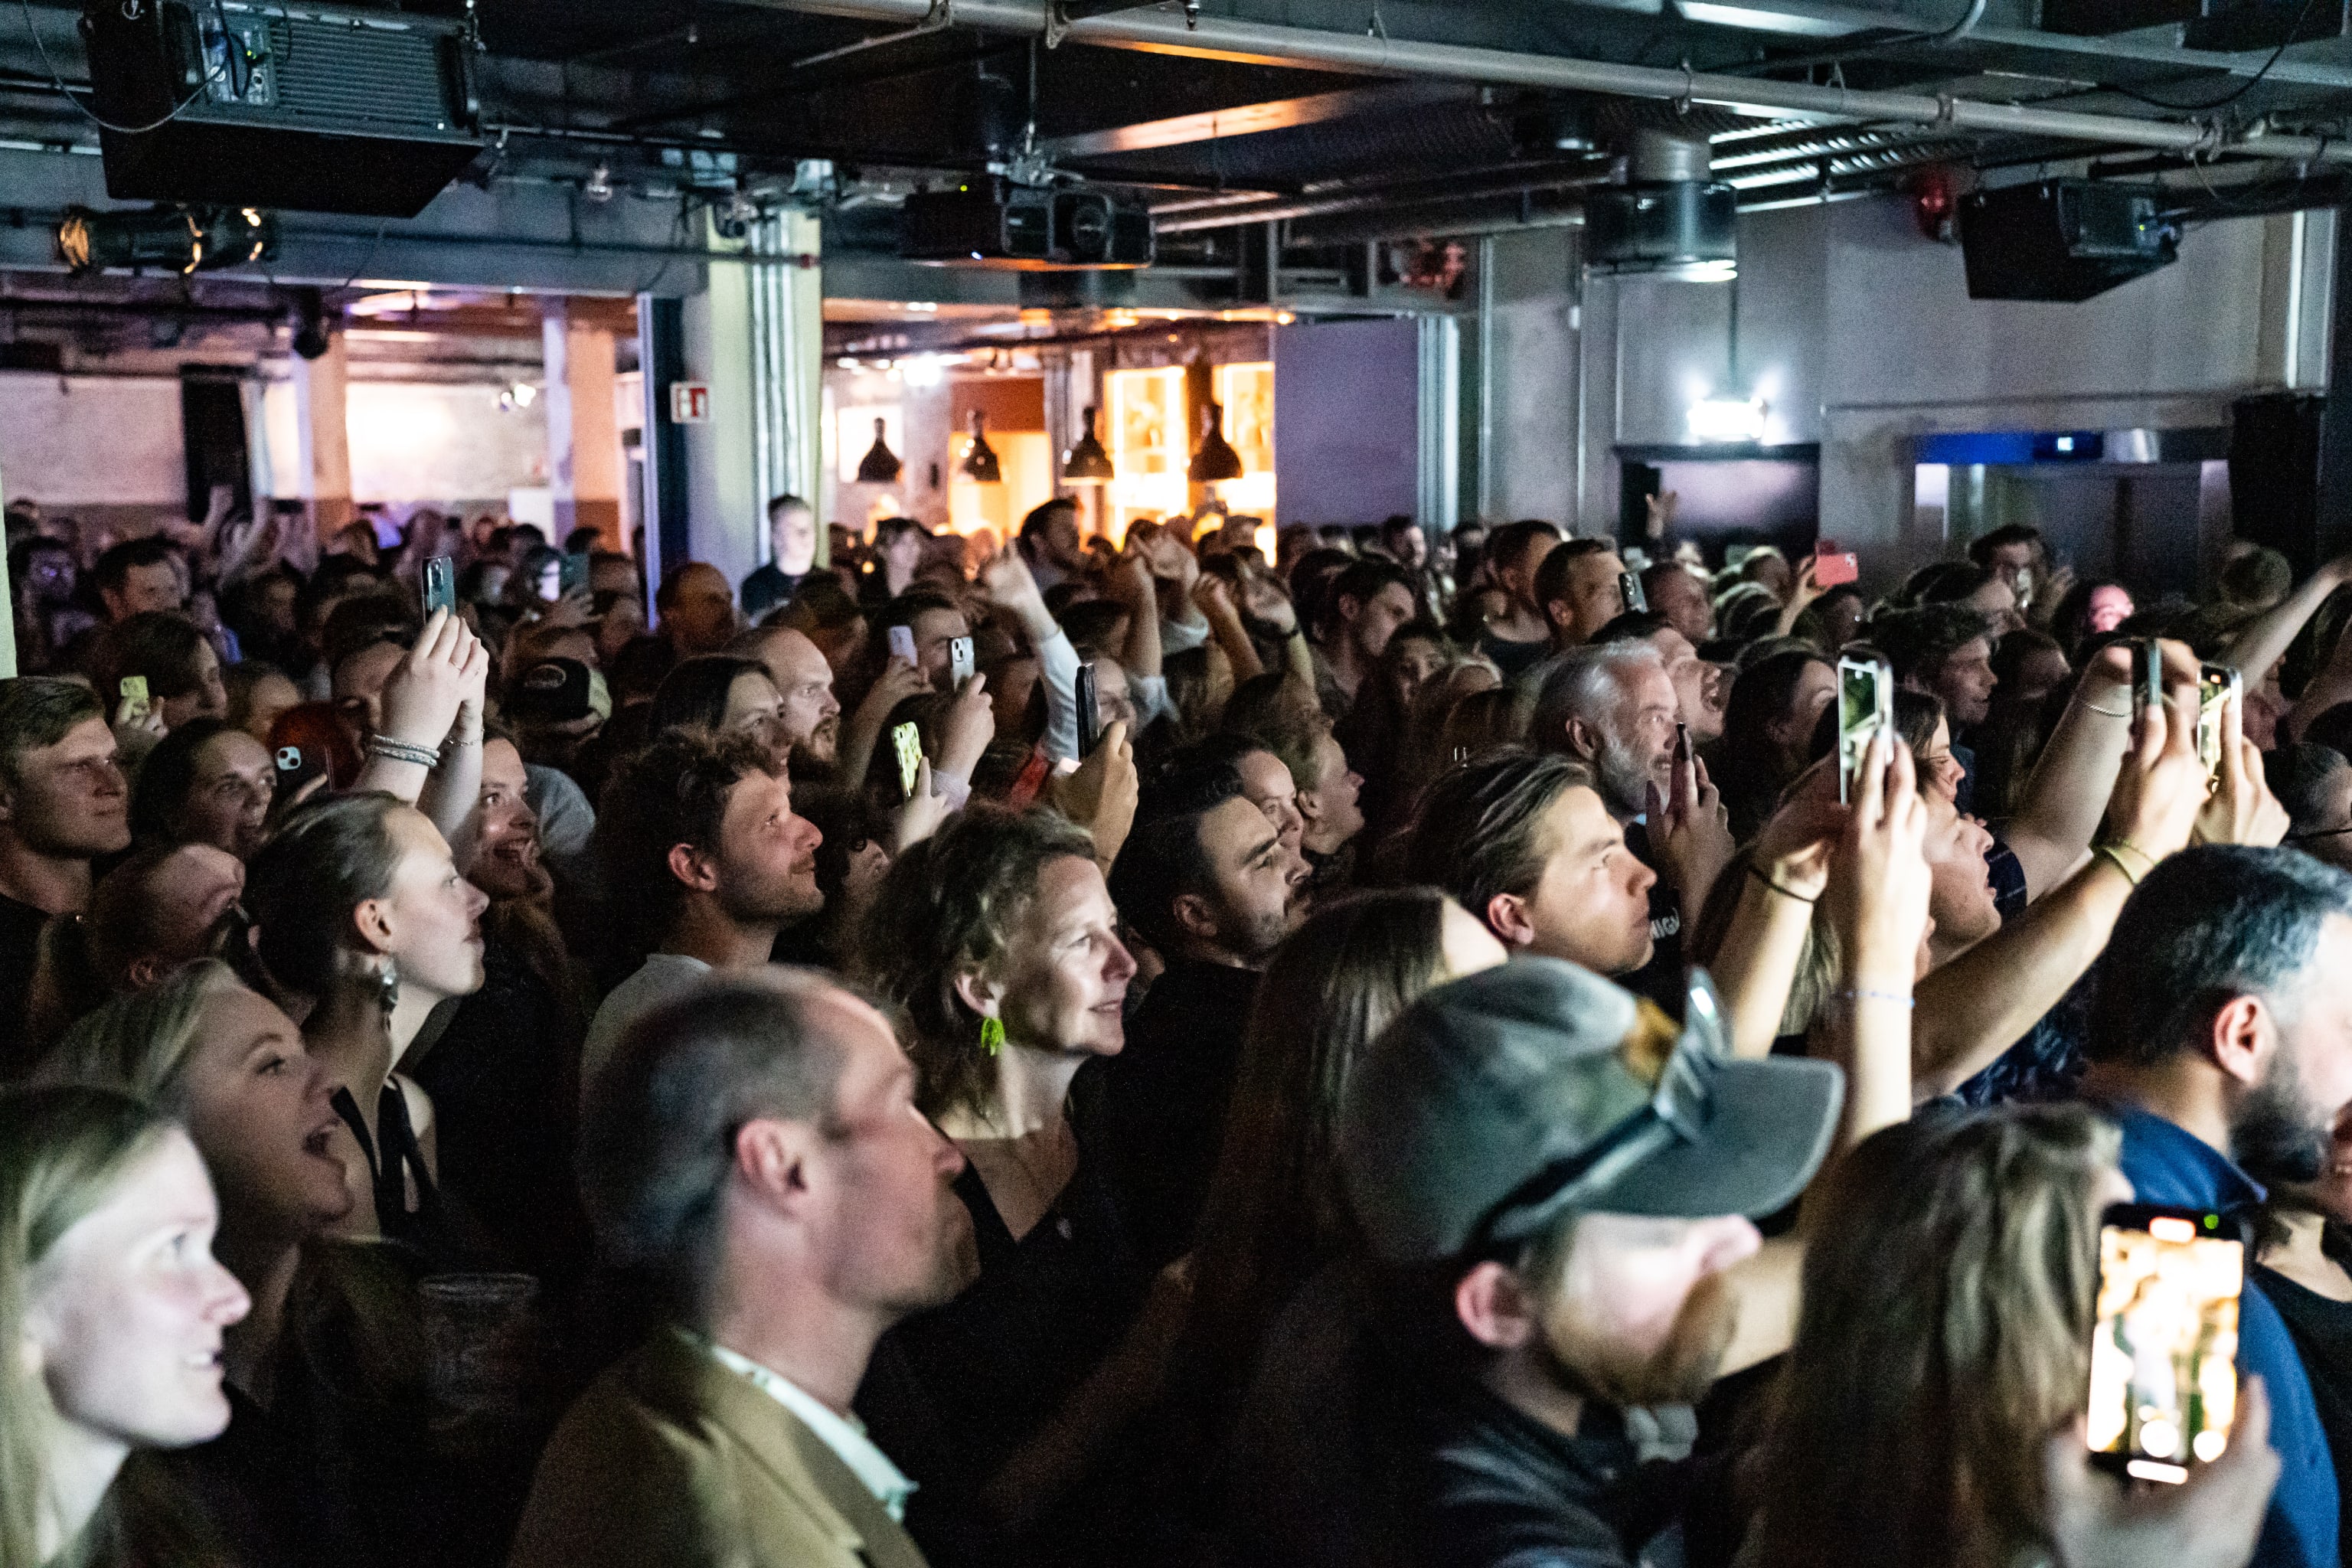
column 787, row 291
column 326, row 439
column 584, row 441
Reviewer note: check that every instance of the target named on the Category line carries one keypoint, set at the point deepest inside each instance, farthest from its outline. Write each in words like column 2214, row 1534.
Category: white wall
column 70, row 441
column 419, row 441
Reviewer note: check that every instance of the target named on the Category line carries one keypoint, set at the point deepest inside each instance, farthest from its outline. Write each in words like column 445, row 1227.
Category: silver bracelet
column 459, row 742
column 1865, row 994
column 2109, row 713
column 393, row 750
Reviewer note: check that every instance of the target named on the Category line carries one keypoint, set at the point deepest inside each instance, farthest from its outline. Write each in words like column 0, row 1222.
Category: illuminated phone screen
column 2163, row 1375
column 1865, row 705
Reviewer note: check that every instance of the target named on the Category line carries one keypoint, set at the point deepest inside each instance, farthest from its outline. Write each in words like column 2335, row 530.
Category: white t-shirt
column 662, row 976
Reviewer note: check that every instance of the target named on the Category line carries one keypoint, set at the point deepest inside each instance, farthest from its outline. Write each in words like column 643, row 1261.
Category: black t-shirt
column 1660, row 979
column 766, row 588
column 1514, row 658
column 2322, row 1330
column 20, row 949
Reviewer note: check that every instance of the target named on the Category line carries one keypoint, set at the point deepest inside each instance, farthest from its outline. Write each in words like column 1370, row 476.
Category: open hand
column 446, row 671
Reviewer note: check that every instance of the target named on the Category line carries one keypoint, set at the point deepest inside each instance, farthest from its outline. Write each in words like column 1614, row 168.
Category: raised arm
column 2258, row 645
column 1756, row 964
column 2069, row 788
column 1876, row 901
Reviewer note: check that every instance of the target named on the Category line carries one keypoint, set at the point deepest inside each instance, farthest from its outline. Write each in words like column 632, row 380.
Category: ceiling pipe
column 1224, row 38
column 1418, row 194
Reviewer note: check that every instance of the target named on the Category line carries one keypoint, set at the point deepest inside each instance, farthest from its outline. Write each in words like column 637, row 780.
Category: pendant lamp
column 1216, row 461
column 979, row 463
column 880, row 465
column 1086, row 463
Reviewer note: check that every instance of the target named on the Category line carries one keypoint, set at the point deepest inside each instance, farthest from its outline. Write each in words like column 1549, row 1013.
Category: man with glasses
column 63, row 803
column 1550, row 1180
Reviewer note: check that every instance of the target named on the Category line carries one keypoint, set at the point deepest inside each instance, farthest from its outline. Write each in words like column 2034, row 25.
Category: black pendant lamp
column 1216, row 461
column 1086, row 463
column 880, row 466
column 980, row 464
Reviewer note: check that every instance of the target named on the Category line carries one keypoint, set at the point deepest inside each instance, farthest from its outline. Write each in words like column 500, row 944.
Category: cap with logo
column 1501, row 1100
column 553, row 690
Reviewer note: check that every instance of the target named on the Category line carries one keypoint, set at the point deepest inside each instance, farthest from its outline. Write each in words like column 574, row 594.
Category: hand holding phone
column 902, row 642
column 907, row 742
column 2164, row 1340
column 296, row 769
column 134, row 700
column 2217, row 684
column 2148, row 665
column 1089, row 712
column 440, row 586
column 959, row 664
column 1865, row 708
column 1629, row 588
column 1832, row 567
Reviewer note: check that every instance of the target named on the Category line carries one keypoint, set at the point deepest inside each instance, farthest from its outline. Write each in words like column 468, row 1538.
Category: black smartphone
column 1628, row 587
column 1866, row 707
column 1089, row 715
column 440, row 586
column 2216, row 684
column 1682, row 741
column 571, row 577
column 2148, row 663
column 296, row 768
column 2164, row 1340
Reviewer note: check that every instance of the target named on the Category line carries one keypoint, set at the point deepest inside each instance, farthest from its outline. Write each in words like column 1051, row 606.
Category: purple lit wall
column 1346, row 429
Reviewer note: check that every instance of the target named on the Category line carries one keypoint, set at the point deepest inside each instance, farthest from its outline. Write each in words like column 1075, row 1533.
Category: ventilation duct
column 1669, row 216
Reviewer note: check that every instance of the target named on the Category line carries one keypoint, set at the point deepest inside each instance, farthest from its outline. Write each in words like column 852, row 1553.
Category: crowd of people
column 1414, row 1051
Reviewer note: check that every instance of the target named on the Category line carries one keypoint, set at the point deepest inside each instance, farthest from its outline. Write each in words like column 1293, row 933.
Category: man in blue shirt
column 2222, row 1044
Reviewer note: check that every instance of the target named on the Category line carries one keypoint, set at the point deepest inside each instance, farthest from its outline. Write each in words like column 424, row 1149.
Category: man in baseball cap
column 1549, row 1178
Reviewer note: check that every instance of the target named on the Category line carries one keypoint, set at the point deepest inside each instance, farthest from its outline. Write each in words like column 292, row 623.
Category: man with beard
column 2222, row 1044
column 809, row 720
column 499, row 1069
column 1613, row 708
column 1549, row 1181
column 700, row 831
column 1205, row 879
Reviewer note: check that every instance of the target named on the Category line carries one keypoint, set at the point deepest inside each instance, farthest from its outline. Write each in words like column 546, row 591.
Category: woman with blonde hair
column 111, row 1309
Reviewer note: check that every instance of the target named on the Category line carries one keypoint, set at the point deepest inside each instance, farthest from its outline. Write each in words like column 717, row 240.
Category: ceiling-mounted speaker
column 2063, row 239
column 304, row 108
column 1668, row 217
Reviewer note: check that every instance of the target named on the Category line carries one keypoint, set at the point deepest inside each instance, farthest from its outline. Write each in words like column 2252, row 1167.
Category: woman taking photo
column 365, row 926
column 998, row 938
column 112, row 1308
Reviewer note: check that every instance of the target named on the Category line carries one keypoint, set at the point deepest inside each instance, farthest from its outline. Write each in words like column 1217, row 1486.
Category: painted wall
column 1346, row 430
column 77, row 442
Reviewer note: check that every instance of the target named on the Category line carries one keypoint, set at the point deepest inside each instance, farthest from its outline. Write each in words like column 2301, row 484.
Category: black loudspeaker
column 1658, row 224
column 310, row 108
column 2274, row 473
column 211, row 432
column 2063, row 239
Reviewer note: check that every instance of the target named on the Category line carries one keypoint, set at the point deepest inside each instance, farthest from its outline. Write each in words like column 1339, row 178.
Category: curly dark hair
column 673, row 792
column 948, row 906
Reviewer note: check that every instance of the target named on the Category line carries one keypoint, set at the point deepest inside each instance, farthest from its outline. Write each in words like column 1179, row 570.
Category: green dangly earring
column 992, row 1035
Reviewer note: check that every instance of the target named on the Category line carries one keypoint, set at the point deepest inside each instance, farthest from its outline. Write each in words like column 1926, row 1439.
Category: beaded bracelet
column 1865, row 994
column 1759, row 873
column 384, row 746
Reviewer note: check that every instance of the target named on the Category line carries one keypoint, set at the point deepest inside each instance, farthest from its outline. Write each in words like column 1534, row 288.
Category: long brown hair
column 1273, row 1211
column 1945, row 1335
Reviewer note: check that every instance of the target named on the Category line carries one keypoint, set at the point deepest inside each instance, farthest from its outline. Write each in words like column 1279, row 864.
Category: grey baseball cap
column 1497, row 1102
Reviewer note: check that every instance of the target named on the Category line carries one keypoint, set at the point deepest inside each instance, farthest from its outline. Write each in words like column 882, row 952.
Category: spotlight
column 520, row 395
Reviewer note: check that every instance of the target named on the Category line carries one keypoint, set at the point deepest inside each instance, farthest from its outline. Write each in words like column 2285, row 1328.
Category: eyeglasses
column 1682, row 1103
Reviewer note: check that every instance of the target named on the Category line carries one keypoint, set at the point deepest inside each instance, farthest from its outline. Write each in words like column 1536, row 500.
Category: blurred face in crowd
column 49, row 575
column 69, row 801
column 209, row 699
column 429, row 921
column 2041, row 673
column 2111, row 607
column 1063, row 981
column 124, row 1313
column 1331, row 809
column 1965, row 681
column 1682, row 598
column 1245, row 913
column 1060, row 542
column 1267, row 785
column 1114, row 695
column 875, row 1192
column 1699, row 686
column 1997, row 599
column 153, row 586
column 1417, row 658
column 1636, row 1309
column 1960, row 897
column 1518, row 578
column 1375, row 620
column 1631, row 744
column 1939, row 771
column 2283, row 1128
column 1791, row 729
column 764, row 869
column 1591, row 905
column 228, row 795
column 1409, row 547
column 257, row 1107
column 934, row 630
column 753, row 709
column 268, row 696
column 190, row 889
column 2327, row 834
column 359, row 684
column 792, row 535
column 506, row 843
column 2013, row 562
column 809, row 717
column 902, row 554
column 1591, row 599
column 701, row 615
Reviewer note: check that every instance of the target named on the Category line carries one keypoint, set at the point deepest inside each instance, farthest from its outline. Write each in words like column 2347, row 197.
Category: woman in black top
column 2306, row 1272
column 998, row 938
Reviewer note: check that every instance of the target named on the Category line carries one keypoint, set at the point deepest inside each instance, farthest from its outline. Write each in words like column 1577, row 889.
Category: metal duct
column 1340, row 51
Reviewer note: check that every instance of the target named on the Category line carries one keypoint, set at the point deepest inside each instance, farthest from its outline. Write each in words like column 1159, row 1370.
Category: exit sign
column 689, row 403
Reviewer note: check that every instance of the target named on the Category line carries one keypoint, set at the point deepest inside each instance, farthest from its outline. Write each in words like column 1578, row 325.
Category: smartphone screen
column 134, row 698
column 2164, row 1340
column 1865, row 706
column 572, row 576
column 440, row 585
column 1089, row 715
column 1630, row 588
column 959, row 662
column 902, row 642
column 2215, row 682
column 908, row 742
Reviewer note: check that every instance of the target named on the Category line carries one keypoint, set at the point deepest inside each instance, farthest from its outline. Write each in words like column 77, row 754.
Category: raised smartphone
column 134, row 700
column 297, row 768
column 1866, row 707
column 1090, row 713
column 902, row 642
column 959, row 664
column 1833, row 567
column 2164, row 1340
column 2216, row 684
column 2148, row 668
column 571, row 577
column 440, row 586
column 907, row 741
column 1628, row 587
